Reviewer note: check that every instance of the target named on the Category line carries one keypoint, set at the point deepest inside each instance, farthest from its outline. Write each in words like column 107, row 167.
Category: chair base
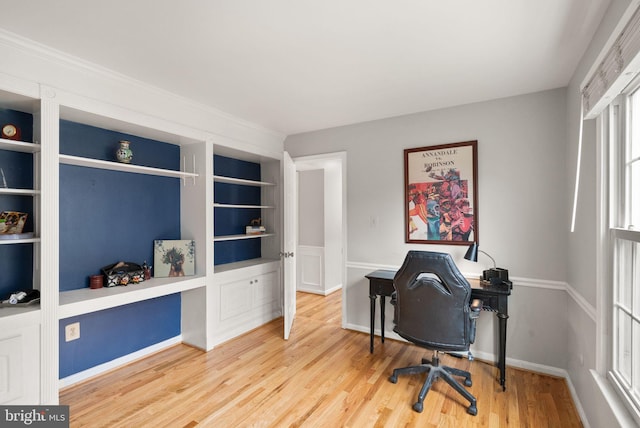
column 436, row 371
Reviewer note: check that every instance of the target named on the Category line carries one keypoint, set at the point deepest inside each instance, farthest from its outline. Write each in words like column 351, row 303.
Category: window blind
column 618, row 67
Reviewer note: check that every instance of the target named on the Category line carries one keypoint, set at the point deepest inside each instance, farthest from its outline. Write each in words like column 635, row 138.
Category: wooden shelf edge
column 123, row 167
column 86, row 300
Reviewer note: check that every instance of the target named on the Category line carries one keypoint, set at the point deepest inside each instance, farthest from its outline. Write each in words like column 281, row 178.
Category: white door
column 290, row 239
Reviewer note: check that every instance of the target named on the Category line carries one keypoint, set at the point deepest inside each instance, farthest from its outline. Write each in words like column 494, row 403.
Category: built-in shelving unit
column 20, row 325
column 236, row 201
column 89, row 210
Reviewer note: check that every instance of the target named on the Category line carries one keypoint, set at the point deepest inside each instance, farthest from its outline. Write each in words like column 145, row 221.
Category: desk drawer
column 381, row 287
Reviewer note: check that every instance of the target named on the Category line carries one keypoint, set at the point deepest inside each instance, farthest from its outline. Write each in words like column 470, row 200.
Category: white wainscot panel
column 311, row 269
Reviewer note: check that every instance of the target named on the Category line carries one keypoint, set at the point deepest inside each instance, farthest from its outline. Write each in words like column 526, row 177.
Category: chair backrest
column 432, row 302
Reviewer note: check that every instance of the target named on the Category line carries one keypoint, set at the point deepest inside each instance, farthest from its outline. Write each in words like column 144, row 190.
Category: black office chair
column 432, row 310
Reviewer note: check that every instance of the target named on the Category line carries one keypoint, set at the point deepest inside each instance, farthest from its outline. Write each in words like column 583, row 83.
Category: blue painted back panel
column 111, row 216
column 108, row 216
column 113, row 333
column 88, row 141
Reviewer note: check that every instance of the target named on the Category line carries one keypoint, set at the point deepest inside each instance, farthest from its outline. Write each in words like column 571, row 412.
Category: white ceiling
column 300, row 65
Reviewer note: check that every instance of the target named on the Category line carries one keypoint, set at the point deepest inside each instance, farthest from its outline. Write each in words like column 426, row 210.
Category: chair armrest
column 476, row 307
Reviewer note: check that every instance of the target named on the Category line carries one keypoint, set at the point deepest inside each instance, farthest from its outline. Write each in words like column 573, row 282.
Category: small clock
column 11, row 132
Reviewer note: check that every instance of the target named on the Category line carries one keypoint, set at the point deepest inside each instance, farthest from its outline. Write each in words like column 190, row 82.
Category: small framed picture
column 173, row 258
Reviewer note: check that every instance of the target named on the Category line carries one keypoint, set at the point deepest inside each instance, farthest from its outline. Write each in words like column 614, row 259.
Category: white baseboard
column 118, row 362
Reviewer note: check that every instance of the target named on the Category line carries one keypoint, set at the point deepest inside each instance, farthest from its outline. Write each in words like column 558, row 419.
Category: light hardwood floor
column 323, row 376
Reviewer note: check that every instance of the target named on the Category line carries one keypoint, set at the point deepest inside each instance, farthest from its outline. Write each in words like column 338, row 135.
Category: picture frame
column 441, row 195
column 173, row 258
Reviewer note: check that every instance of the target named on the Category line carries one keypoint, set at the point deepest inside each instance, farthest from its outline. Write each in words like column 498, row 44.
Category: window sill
column 622, row 414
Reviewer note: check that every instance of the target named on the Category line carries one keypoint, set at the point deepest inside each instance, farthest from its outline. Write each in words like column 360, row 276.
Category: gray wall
column 582, row 339
column 522, row 208
column 311, row 207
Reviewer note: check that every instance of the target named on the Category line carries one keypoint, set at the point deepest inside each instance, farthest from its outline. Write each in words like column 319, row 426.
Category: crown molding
column 49, row 54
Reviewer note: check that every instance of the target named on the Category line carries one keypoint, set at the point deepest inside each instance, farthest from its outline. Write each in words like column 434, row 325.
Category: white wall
column 333, row 226
column 522, row 212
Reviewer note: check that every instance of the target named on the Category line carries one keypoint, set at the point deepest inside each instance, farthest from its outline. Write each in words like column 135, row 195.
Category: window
column 624, row 245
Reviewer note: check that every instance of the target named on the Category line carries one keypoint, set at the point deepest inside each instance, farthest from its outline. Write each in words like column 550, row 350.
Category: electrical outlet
column 72, row 332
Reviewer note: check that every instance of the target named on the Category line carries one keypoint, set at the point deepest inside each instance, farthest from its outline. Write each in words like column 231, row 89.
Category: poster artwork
column 440, row 191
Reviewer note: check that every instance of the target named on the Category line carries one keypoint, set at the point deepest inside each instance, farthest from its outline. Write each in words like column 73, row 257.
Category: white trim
column 517, row 281
column 118, row 362
column 588, row 308
column 623, row 417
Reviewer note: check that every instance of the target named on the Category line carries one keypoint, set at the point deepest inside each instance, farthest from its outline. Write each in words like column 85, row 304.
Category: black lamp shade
column 472, row 252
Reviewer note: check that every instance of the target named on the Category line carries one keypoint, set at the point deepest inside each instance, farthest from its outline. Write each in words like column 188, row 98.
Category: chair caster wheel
column 467, row 382
column 472, row 410
column 417, row 407
column 393, row 379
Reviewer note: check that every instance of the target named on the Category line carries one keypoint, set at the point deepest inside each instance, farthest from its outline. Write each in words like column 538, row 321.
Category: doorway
column 322, row 224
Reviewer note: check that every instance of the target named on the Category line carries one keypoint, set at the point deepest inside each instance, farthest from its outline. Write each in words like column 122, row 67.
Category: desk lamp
column 496, row 275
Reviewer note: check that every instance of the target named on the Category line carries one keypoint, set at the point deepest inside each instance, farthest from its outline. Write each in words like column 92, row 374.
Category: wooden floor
column 323, row 376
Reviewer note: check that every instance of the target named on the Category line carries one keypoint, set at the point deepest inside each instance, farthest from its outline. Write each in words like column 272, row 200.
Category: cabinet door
column 235, row 298
column 265, row 289
column 20, row 366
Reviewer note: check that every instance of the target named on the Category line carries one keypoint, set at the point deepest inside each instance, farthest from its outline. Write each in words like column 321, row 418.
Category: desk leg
column 373, row 319
column 382, row 318
column 502, row 322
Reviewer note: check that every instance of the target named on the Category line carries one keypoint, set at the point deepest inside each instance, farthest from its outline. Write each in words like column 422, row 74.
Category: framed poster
column 441, row 197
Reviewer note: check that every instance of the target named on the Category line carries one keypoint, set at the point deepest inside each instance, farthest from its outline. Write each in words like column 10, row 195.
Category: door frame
column 322, row 161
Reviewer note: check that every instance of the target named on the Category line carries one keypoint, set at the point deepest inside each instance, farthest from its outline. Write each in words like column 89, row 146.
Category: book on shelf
column 255, row 230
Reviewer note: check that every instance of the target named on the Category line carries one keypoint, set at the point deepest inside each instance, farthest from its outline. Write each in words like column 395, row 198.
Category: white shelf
column 237, row 237
column 19, row 312
column 124, row 167
column 19, row 241
column 218, row 205
column 241, row 181
column 87, row 300
column 19, row 146
column 27, row 192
